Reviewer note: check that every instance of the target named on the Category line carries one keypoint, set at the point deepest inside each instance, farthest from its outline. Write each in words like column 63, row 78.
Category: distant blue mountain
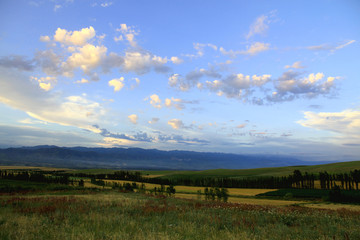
column 138, row 158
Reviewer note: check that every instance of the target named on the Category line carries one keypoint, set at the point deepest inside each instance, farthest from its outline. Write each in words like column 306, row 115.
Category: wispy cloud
column 260, row 25
column 176, row 123
column 295, row 65
column 331, row 47
column 17, row 91
column 346, row 122
column 251, row 50
column 172, row 102
column 127, row 33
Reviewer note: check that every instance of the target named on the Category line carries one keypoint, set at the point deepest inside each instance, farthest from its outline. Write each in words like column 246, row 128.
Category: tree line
column 344, row 181
column 35, row 176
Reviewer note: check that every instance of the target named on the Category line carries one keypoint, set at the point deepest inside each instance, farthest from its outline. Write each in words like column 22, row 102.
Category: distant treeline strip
column 35, row 176
column 346, row 181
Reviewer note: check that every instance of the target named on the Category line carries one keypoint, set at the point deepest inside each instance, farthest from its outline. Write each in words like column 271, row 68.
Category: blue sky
column 254, row 77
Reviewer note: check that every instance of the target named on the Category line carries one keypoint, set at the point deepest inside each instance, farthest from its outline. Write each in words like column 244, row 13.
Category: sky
column 246, row 77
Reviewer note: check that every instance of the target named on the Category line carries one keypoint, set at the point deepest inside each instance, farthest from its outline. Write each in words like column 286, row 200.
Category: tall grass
column 135, row 216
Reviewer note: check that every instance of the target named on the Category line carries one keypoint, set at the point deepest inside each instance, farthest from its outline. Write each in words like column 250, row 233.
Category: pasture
column 113, row 215
column 34, row 210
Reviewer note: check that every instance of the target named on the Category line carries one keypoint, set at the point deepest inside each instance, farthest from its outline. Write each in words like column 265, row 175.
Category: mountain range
column 138, row 158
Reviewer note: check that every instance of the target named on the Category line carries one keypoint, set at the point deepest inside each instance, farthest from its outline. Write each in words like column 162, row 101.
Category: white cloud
column 128, row 33
column 237, row 85
column 296, row 65
column 133, row 118
column 177, row 103
column 45, row 83
column 200, row 47
column 174, row 102
column 77, row 111
column 346, row 122
column 176, row 60
column 111, row 142
column 81, row 54
column 19, row 135
column 31, row 121
column 118, row 84
column 176, row 80
column 143, row 62
column 155, row 101
column 256, row 48
column 106, row 4
column 77, row 38
column 176, row 123
column 260, row 25
column 83, row 80
column 260, row 80
column 87, row 58
column 192, row 78
column 251, row 50
column 290, row 86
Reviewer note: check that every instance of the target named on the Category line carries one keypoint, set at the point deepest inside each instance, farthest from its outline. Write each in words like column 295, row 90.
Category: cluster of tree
column 170, row 190
column 129, row 187
column 35, row 176
column 117, row 175
column 216, row 194
column 347, row 181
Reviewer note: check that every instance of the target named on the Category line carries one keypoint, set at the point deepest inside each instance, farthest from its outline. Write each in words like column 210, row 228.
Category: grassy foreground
column 112, row 215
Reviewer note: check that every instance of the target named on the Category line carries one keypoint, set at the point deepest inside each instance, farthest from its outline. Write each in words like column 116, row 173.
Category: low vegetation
column 113, row 215
column 53, row 204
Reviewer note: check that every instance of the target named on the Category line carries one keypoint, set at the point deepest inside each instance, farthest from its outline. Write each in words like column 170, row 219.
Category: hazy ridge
column 138, row 158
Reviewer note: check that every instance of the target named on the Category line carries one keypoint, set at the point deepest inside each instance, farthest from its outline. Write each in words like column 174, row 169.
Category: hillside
column 138, row 158
column 340, row 167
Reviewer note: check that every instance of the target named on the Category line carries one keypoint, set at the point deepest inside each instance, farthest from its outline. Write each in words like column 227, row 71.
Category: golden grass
column 190, row 189
column 147, row 185
column 153, row 175
column 88, row 184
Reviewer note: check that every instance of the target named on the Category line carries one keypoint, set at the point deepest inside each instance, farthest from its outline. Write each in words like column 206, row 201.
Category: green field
column 34, row 210
column 259, row 172
column 106, row 214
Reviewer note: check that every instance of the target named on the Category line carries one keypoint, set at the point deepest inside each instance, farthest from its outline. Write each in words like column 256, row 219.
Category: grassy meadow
column 34, row 210
column 106, row 214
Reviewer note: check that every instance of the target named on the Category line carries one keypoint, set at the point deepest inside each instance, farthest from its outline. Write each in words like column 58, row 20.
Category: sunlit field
column 190, row 189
